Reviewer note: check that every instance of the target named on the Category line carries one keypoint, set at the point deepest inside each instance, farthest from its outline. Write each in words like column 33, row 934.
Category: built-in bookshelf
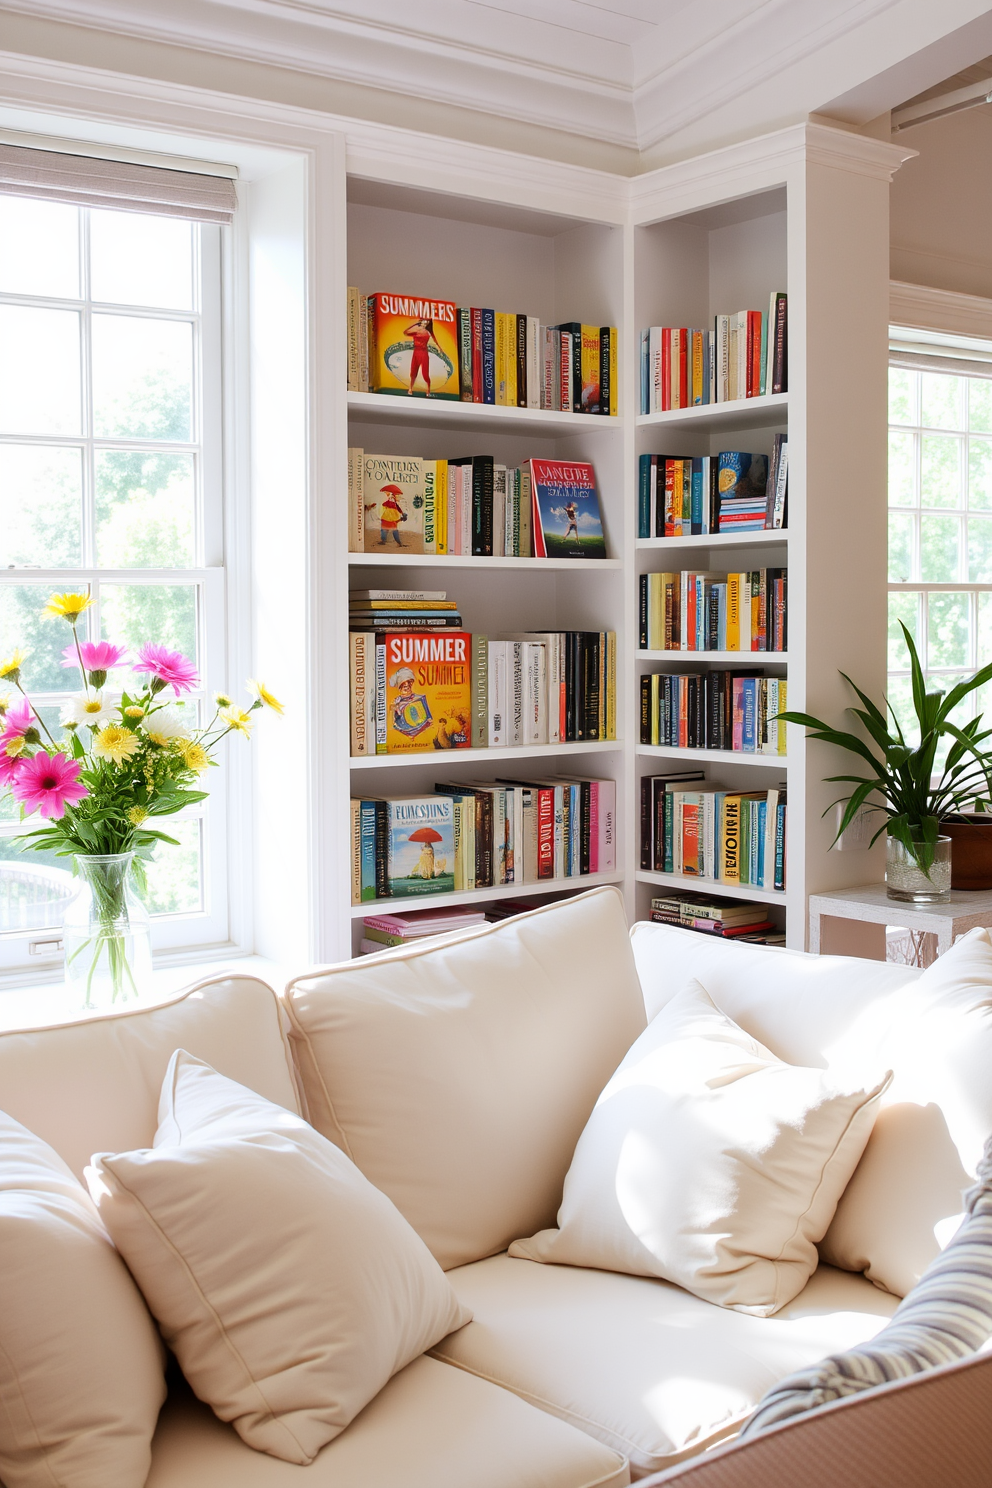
column 677, row 246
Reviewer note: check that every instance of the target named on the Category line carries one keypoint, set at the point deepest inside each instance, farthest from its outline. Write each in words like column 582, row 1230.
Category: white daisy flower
column 166, row 724
column 94, row 708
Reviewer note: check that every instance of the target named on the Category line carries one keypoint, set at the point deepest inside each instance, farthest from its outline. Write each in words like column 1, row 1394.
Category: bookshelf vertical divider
column 804, row 210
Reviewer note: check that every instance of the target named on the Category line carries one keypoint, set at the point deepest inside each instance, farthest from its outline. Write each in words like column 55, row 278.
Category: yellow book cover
column 414, row 346
column 502, row 397
column 441, row 468
column 655, row 706
column 614, row 360
column 611, row 684
column 656, row 611
column 729, row 840
column 428, row 690
column 393, row 503
column 696, row 392
column 733, row 611
column 783, row 703
column 590, row 369
column 511, row 360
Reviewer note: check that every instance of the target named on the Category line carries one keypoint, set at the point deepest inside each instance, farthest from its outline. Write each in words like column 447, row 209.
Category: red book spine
column 666, row 375
column 545, row 833
column 670, row 499
column 753, row 353
column 565, row 369
column 690, row 840
column 476, row 356
column 594, row 826
column 684, row 362
column 762, row 636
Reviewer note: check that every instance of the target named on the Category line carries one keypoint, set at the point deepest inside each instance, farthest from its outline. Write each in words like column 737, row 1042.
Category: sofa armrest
column 914, row 1433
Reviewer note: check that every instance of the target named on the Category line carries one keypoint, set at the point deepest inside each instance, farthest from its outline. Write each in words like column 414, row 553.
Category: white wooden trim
column 922, row 308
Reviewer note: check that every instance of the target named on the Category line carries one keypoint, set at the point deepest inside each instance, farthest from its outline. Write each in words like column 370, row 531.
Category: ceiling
column 650, row 75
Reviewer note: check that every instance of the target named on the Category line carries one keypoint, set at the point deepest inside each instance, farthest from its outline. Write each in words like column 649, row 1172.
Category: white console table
column 870, row 904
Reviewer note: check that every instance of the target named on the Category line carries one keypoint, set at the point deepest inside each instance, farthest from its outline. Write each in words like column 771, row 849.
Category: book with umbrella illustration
column 421, row 846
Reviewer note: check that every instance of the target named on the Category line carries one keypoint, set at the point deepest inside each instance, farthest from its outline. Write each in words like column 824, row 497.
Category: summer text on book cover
column 567, row 520
column 428, row 691
column 413, row 346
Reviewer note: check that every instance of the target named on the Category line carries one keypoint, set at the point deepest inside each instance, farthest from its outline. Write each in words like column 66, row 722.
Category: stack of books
column 381, row 931
column 732, row 919
column 745, row 355
column 734, row 491
column 419, row 682
column 406, row 344
column 708, row 611
column 714, row 710
column 482, row 834
column 700, row 829
column 473, row 506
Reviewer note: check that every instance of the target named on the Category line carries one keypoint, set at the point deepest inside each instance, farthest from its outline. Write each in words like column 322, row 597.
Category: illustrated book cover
column 421, row 846
column 566, row 518
column 428, row 690
column 392, row 493
column 414, row 346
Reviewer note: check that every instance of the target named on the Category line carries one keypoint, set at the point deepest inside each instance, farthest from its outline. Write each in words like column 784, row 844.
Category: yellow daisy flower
column 265, row 696
column 11, row 668
column 237, row 720
column 137, row 815
column 195, row 757
column 66, row 607
column 134, row 712
column 14, row 747
column 222, row 700
column 115, row 743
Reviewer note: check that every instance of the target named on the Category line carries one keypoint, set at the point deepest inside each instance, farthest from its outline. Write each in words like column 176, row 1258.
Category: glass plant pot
column 106, row 933
column 906, row 880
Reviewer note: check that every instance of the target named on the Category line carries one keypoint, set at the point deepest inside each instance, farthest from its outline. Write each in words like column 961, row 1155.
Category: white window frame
column 180, row 936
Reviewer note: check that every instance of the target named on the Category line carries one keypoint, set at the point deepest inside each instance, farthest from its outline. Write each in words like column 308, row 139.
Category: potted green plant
column 925, row 809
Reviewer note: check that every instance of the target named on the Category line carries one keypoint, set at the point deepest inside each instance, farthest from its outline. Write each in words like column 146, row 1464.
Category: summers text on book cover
column 414, row 346
column 421, row 846
column 393, row 496
column 567, row 520
column 428, row 690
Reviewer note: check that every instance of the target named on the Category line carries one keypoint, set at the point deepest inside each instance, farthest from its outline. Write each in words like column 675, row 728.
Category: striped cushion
column 946, row 1317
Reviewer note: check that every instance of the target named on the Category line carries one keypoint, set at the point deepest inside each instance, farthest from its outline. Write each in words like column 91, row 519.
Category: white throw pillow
column 288, row 1287
column 903, row 1202
column 710, row 1163
column 81, row 1365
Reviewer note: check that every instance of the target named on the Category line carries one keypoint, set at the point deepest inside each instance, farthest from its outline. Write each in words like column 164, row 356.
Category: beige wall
column 941, row 208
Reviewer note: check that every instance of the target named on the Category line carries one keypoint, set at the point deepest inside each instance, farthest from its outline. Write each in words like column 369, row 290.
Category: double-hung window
column 111, row 482
column 940, row 518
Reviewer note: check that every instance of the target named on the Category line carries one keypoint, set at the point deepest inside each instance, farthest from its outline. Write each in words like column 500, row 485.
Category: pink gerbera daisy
column 48, row 783
column 10, row 766
column 167, row 667
column 16, row 722
column 98, row 656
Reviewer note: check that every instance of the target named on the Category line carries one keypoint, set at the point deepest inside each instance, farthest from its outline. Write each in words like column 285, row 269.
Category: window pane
column 939, row 537
column 940, row 472
column 34, row 887
column 902, row 469
column 145, row 508
column 900, row 699
column 23, row 627
column 980, row 474
column 903, row 387
column 39, row 371
column 41, row 492
column 942, row 400
column 139, row 260
column 984, row 629
column 39, row 248
column 904, row 607
column 175, row 874
column 980, row 404
column 980, row 550
column 136, row 614
column 901, row 565
column 948, row 630
column 142, row 378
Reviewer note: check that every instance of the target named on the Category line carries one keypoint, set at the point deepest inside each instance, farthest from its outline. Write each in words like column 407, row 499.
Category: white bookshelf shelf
column 756, row 658
column 483, row 896
column 707, row 886
column 385, row 408
column 454, row 560
column 741, row 413
column 714, row 540
column 713, row 756
column 442, row 757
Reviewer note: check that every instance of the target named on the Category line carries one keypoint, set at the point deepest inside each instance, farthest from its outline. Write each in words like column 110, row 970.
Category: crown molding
column 919, row 307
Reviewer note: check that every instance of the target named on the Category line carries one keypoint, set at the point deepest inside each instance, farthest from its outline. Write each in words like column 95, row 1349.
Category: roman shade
column 90, row 181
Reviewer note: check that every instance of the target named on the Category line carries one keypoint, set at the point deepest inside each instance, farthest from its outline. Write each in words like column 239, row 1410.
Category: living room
column 299, row 305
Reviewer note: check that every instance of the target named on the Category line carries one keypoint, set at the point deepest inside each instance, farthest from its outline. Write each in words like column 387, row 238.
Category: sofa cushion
column 289, row 1289
column 81, row 1366
column 430, row 1427
column 902, row 1202
column 458, row 1076
column 94, row 1085
column 641, row 1365
column 710, row 1163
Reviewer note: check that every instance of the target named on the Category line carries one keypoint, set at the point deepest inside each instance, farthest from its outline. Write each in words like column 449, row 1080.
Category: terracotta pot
column 971, row 852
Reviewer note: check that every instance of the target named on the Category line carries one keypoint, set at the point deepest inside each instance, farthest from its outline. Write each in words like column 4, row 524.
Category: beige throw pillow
column 289, row 1288
column 710, row 1163
column 81, row 1365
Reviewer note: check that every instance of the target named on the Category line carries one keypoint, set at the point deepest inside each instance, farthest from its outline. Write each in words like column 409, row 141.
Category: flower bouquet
column 128, row 758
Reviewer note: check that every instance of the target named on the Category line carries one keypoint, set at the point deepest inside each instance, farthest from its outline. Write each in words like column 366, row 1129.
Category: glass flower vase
column 106, row 933
column 906, row 880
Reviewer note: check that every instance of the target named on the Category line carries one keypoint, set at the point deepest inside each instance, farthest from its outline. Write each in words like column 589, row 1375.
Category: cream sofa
column 458, row 1076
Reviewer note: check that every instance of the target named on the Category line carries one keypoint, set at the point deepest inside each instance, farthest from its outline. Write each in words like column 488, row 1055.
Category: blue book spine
column 700, row 614
column 644, row 496
column 367, row 823
column 489, row 356
column 575, row 831
column 669, row 824
column 762, row 825
column 707, row 379
column 749, row 730
column 780, row 846
column 645, row 376
column 696, row 509
column 721, row 618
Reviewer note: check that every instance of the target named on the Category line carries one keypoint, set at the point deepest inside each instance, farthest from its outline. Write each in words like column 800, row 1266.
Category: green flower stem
column 37, row 715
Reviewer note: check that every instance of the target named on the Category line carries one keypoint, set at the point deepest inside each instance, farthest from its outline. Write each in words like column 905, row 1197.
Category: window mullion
column 89, row 465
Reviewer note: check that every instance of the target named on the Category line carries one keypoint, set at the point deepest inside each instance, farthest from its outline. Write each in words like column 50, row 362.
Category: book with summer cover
column 428, row 697
column 414, row 346
column 421, row 851
column 567, row 520
column 392, row 493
